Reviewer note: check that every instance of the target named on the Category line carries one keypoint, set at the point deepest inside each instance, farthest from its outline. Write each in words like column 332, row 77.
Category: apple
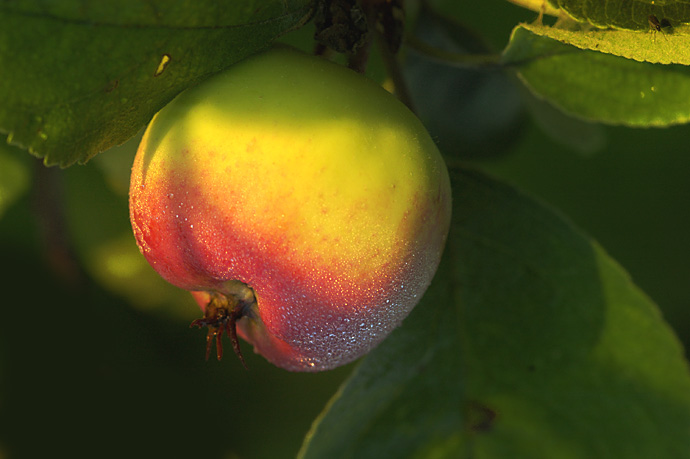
column 303, row 206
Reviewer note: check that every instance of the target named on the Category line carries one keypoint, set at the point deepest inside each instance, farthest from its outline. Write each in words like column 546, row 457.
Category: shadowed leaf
column 80, row 76
column 546, row 349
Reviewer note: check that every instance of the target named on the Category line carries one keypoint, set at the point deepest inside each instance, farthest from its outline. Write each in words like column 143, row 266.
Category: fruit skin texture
column 308, row 183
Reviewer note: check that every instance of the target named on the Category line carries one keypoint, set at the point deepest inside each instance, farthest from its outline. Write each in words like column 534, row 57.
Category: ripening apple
column 304, row 207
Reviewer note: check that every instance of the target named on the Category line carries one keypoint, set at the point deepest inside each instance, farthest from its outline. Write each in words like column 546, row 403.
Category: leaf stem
column 454, row 59
column 390, row 61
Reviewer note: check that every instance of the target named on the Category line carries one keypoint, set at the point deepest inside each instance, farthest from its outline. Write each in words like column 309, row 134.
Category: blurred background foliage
column 96, row 358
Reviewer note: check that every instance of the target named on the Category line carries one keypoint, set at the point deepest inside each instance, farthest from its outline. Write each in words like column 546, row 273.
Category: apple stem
column 237, row 314
column 221, row 314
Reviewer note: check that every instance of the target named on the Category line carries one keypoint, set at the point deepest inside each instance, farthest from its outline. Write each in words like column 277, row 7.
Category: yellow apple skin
column 308, row 183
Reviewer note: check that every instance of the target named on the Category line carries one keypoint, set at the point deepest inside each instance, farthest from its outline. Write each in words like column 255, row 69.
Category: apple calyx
column 232, row 302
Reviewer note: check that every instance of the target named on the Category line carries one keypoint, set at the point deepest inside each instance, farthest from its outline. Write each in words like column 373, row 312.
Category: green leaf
column 600, row 87
column 662, row 47
column 530, row 343
column 625, row 14
column 80, row 76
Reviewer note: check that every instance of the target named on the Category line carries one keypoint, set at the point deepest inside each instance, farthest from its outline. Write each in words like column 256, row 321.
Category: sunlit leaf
column 625, row 14
column 663, row 47
column 598, row 86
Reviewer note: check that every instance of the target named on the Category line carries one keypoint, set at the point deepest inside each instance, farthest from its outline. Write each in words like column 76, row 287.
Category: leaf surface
column 664, row 47
column 625, row 14
column 598, row 86
column 80, row 76
column 530, row 343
